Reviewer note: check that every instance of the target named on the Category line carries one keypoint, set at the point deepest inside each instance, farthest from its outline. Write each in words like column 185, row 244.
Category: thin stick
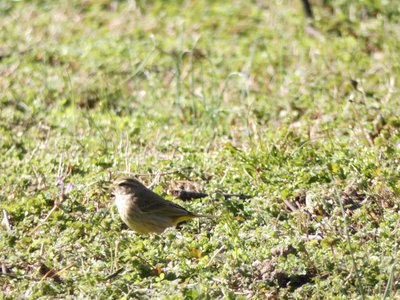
column 112, row 275
column 50, row 273
column 55, row 275
column 215, row 255
column 7, row 271
column 348, row 240
column 290, row 205
column 153, row 174
column 189, row 195
column 366, row 136
column 56, row 205
column 4, row 269
column 5, row 220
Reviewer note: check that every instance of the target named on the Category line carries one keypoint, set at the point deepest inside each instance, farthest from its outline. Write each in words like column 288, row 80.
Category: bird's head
column 126, row 185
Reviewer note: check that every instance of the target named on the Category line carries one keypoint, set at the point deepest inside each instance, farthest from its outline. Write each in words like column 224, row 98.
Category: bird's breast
column 124, row 205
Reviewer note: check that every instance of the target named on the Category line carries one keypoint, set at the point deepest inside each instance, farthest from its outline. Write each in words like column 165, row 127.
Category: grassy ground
column 217, row 96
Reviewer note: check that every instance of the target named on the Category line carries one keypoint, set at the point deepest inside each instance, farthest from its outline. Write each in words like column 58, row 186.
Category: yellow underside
column 182, row 219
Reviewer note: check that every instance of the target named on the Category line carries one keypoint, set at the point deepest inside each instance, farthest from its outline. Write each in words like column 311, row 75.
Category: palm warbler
column 146, row 212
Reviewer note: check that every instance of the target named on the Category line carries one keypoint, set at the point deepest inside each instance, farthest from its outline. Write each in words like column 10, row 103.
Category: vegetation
column 241, row 97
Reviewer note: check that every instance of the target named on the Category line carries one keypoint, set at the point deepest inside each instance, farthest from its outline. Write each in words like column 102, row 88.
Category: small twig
column 215, row 255
column 355, row 84
column 4, row 269
column 56, row 205
column 5, row 220
column 311, row 237
column 49, row 273
column 112, row 275
column 57, row 202
column 189, row 195
column 357, row 116
column 348, row 239
column 290, row 205
column 153, row 174
column 391, row 89
column 116, row 243
column 55, row 275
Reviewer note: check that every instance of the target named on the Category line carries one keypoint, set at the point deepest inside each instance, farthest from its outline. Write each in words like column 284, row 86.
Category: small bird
column 146, row 212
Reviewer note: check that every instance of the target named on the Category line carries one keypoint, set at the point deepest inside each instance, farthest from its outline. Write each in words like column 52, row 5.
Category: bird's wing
column 150, row 202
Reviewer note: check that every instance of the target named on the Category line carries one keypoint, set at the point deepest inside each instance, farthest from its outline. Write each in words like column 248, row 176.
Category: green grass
column 225, row 96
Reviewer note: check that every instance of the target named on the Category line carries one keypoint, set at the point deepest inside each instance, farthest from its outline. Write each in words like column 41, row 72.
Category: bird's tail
column 185, row 218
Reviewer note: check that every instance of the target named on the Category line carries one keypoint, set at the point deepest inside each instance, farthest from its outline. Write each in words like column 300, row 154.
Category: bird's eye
column 124, row 184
